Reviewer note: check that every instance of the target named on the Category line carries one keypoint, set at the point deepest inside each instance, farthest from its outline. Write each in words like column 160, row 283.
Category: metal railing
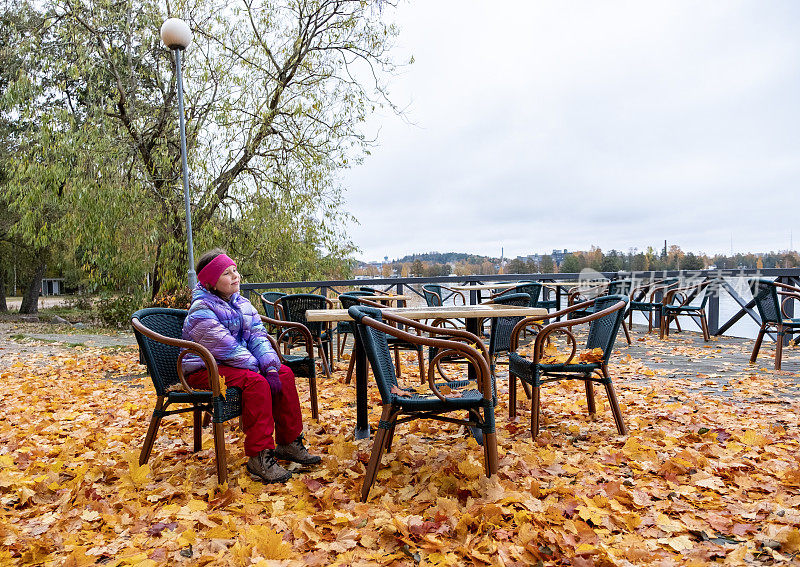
column 402, row 286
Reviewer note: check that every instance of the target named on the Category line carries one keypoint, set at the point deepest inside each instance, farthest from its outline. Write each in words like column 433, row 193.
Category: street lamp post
column 176, row 35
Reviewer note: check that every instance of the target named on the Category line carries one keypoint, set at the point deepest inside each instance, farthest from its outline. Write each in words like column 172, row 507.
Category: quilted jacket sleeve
column 205, row 328
column 259, row 344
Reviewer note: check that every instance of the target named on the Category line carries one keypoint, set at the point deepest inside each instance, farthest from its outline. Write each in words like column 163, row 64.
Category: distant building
column 52, row 286
column 558, row 256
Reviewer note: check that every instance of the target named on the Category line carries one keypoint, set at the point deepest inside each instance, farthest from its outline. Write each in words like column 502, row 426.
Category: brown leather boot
column 266, row 468
column 297, row 453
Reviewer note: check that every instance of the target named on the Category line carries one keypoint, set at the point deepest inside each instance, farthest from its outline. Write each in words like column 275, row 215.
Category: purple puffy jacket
column 231, row 330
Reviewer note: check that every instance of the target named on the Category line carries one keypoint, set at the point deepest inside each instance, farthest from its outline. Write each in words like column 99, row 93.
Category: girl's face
column 228, row 282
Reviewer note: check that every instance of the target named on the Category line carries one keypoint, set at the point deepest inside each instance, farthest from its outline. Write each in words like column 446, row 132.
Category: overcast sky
column 541, row 125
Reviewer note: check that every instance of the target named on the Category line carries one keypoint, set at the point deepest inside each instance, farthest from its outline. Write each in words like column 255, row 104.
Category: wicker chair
column 547, row 298
column 435, row 295
column 604, row 324
column 268, row 300
column 679, row 301
column 579, row 296
column 293, row 307
column 647, row 298
column 533, row 289
column 374, row 327
column 773, row 314
column 158, row 332
column 344, row 328
column 501, row 327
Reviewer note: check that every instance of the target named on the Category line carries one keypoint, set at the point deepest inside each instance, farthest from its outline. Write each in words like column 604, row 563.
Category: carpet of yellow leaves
column 698, row 480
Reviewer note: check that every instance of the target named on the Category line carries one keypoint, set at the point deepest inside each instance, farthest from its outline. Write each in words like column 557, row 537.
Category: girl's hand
column 274, row 381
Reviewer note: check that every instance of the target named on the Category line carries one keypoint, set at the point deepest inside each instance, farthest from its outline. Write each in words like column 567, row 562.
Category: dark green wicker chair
column 501, row 327
column 350, row 299
column 533, row 289
column 476, row 398
column 604, row 324
column 158, row 332
column 344, row 328
column 771, row 308
column 647, row 298
column 268, row 300
column 293, row 308
column 682, row 301
column 435, row 295
column 547, row 298
column 579, row 296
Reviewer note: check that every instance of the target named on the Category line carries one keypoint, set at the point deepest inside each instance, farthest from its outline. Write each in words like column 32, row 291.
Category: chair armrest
column 189, row 346
column 788, row 297
column 453, row 293
column 290, row 326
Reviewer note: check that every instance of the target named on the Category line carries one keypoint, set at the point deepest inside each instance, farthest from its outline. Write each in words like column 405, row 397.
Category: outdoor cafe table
column 470, row 313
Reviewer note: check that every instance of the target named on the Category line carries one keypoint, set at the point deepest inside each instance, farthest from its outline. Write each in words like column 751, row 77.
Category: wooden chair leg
column 704, row 326
column 590, row 396
column 779, row 348
column 627, row 332
column 612, row 400
column 490, row 453
column 535, row 411
column 324, row 357
column 219, row 451
column 350, row 367
column 421, row 362
column 398, row 368
column 512, row 395
column 312, row 393
column 757, row 346
column 377, row 451
column 198, row 429
column 152, row 430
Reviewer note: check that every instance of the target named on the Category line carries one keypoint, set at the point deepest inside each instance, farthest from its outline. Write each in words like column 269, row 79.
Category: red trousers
column 261, row 412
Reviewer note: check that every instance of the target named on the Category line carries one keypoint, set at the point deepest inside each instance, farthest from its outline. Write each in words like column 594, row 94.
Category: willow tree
column 276, row 94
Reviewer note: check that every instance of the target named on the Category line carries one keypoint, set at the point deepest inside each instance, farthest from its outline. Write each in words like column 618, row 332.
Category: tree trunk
column 30, row 301
column 3, row 304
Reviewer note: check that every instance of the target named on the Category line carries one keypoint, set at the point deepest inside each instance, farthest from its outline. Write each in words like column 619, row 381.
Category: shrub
column 180, row 298
column 116, row 310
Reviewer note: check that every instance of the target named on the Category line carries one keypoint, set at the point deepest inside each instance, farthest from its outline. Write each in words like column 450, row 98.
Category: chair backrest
column 432, row 294
column 161, row 359
column 295, row 305
column 268, row 299
column 350, row 298
column 533, row 289
column 765, row 292
column 620, row 287
column 603, row 331
column 500, row 336
column 376, row 347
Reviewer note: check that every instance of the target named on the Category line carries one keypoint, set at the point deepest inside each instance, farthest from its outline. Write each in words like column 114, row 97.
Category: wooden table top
column 442, row 312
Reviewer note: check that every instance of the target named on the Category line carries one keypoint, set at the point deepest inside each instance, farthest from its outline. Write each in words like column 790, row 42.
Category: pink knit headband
column 209, row 275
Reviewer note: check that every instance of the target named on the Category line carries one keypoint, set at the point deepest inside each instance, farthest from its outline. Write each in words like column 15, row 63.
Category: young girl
column 228, row 325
